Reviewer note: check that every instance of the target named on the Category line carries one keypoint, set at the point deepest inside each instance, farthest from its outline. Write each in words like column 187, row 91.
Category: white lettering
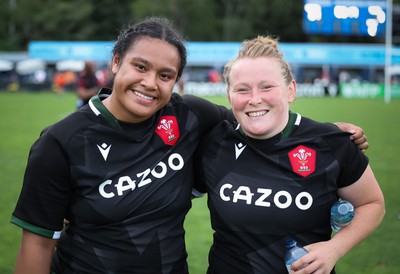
column 163, row 170
column 247, row 196
column 261, row 201
column 103, row 192
column 126, row 183
column 144, row 181
column 281, row 199
column 121, row 187
column 171, row 161
column 278, row 202
column 221, row 192
column 304, row 195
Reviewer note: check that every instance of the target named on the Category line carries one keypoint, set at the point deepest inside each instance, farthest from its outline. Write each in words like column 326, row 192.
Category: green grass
column 24, row 114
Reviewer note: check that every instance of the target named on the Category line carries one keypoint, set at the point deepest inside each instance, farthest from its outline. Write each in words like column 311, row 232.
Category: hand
column 357, row 134
column 321, row 259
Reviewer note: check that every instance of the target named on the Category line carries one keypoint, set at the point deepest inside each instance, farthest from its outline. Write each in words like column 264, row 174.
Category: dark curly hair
column 155, row 27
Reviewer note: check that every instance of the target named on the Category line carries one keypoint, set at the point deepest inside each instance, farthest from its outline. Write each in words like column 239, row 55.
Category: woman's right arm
column 34, row 255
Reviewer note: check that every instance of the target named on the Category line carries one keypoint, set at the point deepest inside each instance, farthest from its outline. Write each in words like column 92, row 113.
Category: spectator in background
column 105, row 76
column 88, row 84
column 181, row 83
column 214, row 76
column 65, row 80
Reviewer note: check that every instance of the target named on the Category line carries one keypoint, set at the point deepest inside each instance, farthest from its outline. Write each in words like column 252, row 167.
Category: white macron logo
column 104, row 150
column 239, row 149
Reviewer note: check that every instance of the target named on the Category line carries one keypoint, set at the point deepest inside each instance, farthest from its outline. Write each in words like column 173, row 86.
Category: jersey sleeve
column 208, row 113
column 207, row 148
column 45, row 194
column 353, row 161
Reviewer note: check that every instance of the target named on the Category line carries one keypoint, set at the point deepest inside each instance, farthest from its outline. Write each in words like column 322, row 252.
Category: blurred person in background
column 120, row 169
column 64, row 81
column 88, row 84
column 274, row 175
column 105, row 76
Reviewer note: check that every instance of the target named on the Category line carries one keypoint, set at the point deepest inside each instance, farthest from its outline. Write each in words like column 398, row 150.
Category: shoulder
column 222, row 131
column 191, row 101
column 208, row 113
column 314, row 127
column 78, row 120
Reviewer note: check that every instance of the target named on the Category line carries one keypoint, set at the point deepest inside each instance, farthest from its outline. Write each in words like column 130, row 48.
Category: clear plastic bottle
column 293, row 253
column 342, row 213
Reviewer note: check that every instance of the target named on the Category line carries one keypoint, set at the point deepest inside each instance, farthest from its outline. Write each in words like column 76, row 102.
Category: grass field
column 24, row 114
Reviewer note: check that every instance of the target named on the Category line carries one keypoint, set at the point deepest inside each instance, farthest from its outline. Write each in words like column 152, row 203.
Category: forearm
column 34, row 255
column 32, row 264
column 367, row 218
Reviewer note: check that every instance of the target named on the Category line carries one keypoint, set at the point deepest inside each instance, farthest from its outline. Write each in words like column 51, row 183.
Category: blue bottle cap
column 290, row 242
column 343, row 209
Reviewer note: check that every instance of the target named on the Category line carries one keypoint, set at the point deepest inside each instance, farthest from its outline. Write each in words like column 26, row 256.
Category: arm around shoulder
column 357, row 134
column 35, row 254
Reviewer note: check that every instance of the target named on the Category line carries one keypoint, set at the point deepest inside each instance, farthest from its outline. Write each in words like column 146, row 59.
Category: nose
column 149, row 80
column 255, row 97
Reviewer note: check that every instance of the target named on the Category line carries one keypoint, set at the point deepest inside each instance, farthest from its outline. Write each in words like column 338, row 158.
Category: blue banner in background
column 218, row 53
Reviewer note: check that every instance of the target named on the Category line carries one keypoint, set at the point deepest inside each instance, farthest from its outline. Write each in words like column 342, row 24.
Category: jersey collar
column 294, row 121
column 99, row 109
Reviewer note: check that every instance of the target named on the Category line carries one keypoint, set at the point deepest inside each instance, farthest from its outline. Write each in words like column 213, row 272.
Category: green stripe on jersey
column 112, row 121
column 35, row 229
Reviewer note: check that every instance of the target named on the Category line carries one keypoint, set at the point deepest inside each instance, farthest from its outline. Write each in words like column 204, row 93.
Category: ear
column 292, row 91
column 115, row 64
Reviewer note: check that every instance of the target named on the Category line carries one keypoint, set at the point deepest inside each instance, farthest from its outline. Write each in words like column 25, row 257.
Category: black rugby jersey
column 261, row 192
column 125, row 188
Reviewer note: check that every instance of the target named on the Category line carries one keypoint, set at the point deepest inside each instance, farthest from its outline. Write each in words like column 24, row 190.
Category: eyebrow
column 146, row 62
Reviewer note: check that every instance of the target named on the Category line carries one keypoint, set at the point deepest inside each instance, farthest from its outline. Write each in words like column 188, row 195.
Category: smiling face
column 259, row 96
column 143, row 79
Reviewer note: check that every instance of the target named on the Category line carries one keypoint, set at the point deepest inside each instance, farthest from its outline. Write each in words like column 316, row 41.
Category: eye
column 140, row 67
column 166, row 77
column 266, row 87
column 241, row 90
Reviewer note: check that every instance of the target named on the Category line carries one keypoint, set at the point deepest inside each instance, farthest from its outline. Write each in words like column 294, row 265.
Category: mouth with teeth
column 141, row 95
column 257, row 113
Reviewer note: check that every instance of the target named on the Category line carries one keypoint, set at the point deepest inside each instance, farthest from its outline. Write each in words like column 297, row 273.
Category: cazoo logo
column 126, row 183
column 264, row 196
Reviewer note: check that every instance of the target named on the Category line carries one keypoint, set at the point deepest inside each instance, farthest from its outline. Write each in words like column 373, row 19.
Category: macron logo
column 104, row 150
column 239, row 149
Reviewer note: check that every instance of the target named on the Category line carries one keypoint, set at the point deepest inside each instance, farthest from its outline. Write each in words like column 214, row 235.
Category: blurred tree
column 108, row 16
column 237, row 17
column 196, row 19
column 52, row 20
column 22, row 21
column 66, row 20
column 282, row 20
column 8, row 33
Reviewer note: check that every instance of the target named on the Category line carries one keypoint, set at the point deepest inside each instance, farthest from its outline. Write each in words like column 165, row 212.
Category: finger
column 360, row 141
column 364, row 146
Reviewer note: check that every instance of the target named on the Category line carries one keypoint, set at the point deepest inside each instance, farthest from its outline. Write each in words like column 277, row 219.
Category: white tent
column 29, row 66
column 6, row 65
column 394, row 70
column 73, row 65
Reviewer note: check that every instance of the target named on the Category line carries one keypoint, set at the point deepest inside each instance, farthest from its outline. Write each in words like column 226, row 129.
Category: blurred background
column 334, row 46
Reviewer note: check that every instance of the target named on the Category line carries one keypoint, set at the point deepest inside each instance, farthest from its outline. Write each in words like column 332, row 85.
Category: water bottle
column 342, row 212
column 293, row 253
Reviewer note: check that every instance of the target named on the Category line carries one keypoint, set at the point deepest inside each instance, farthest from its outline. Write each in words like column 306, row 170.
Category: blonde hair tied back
column 261, row 46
